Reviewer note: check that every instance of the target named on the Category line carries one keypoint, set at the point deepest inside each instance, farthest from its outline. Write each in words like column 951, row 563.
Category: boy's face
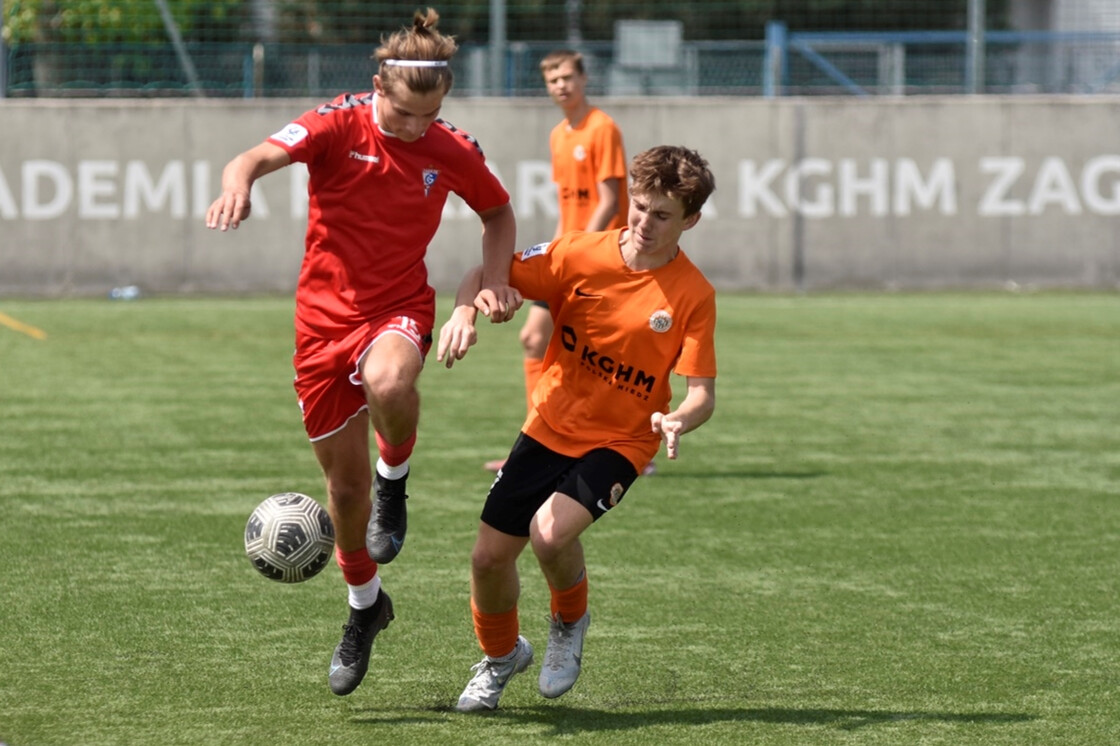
column 404, row 113
column 656, row 222
column 565, row 85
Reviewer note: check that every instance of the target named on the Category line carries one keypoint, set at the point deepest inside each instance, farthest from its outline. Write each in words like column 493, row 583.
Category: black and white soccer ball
column 289, row 538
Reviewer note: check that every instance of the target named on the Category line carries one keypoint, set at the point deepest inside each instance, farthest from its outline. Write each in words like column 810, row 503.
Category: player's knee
column 547, row 544
column 533, row 343
column 486, row 561
column 386, row 386
column 347, row 494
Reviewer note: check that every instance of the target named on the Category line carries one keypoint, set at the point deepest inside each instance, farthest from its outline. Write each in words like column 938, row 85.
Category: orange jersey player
column 630, row 309
column 589, row 170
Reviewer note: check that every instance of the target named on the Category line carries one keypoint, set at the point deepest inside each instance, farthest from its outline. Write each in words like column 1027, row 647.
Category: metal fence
column 261, row 48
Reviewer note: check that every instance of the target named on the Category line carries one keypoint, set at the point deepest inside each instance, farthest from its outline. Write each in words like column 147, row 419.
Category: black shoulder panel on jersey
column 465, row 135
column 349, row 101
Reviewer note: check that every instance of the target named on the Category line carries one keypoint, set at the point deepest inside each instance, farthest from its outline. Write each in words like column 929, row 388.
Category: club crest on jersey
column 430, row 176
column 660, row 321
column 580, row 154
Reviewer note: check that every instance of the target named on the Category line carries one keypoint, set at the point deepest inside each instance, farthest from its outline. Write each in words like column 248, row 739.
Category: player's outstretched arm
column 458, row 334
column 696, row 409
column 499, row 233
column 233, row 205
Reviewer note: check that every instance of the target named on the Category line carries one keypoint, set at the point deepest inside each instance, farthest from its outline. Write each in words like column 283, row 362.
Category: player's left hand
column 456, row 336
column 499, row 303
column 669, row 430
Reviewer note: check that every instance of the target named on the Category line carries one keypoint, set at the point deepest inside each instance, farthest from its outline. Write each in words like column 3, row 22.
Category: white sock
column 392, row 472
column 365, row 595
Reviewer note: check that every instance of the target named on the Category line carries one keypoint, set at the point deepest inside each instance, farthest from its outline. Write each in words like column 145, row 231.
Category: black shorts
column 597, row 480
column 540, row 304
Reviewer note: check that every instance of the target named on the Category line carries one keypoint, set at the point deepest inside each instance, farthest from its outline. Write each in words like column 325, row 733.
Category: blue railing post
column 776, row 50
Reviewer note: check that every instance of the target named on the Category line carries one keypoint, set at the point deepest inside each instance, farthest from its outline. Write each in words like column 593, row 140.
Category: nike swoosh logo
column 602, row 507
column 335, row 667
column 397, row 543
column 581, row 293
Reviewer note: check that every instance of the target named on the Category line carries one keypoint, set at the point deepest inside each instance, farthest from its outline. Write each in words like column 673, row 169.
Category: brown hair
column 676, row 172
column 420, row 41
column 555, row 59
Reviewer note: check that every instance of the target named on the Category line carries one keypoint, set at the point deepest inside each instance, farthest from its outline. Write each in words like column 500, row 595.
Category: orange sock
column 357, row 567
column 570, row 603
column 497, row 633
column 394, row 455
column 533, row 368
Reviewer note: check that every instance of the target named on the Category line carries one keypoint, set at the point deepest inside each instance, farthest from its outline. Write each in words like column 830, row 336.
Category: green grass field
column 902, row 526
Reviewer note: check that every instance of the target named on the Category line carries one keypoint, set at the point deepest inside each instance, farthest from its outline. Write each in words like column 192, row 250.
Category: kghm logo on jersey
column 430, row 176
column 622, row 375
column 660, row 321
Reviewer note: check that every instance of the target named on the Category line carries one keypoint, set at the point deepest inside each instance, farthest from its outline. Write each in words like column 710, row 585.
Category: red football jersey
column 374, row 204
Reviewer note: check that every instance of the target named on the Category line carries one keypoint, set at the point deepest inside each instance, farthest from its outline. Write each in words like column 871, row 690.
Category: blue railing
column 786, row 63
column 909, row 62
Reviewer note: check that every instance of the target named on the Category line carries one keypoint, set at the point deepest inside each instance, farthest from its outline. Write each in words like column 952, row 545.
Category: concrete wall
column 812, row 193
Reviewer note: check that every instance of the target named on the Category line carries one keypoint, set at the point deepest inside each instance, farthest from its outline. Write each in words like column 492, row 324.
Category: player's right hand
column 228, row 210
column 456, row 336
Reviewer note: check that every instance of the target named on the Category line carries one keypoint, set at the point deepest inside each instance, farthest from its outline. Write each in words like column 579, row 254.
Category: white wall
column 811, row 193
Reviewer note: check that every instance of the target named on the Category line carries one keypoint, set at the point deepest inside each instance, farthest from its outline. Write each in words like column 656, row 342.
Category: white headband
column 417, row 63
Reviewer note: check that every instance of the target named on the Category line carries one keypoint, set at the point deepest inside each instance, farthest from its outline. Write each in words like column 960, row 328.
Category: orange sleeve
column 610, row 153
column 698, row 349
column 535, row 272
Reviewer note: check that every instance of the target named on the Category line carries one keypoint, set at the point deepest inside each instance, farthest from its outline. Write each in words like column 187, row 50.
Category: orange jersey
column 583, row 156
column 619, row 334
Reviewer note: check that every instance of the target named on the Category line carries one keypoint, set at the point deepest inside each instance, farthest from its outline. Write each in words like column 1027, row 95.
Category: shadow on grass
column 573, row 719
column 570, row 720
column 667, row 474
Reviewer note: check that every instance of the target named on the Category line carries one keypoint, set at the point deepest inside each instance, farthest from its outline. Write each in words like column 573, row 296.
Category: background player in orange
column 589, row 169
column 381, row 166
column 629, row 309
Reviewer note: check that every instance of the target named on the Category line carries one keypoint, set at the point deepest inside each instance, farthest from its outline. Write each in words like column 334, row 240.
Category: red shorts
column 328, row 381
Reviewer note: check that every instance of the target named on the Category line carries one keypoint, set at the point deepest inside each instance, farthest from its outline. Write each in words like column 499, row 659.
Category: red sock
column 395, row 455
column 533, row 370
column 497, row 633
column 357, row 567
column 571, row 603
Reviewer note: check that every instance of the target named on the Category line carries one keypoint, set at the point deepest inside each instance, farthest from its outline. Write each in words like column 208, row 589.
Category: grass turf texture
column 902, row 526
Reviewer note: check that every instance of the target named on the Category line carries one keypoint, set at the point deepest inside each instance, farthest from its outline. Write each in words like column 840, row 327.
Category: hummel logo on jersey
column 363, row 157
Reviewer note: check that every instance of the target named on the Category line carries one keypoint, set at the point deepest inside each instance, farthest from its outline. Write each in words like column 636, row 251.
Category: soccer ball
column 289, row 538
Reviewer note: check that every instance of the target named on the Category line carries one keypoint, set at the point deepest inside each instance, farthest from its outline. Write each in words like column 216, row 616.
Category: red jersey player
column 381, row 166
column 629, row 308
